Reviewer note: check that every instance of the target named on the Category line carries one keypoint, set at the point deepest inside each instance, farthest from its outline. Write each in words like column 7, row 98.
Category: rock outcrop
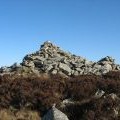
column 51, row 59
column 55, row 114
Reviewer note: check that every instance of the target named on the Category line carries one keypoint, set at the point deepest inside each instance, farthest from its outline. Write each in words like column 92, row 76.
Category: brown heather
column 39, row 93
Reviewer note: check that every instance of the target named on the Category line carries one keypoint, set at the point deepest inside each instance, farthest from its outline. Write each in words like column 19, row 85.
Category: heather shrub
column 39, row 93
column 112, row 75
column 82, row 87
column 35, row 93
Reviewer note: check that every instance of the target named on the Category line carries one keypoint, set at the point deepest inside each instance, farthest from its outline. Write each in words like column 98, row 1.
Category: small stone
column 118, row 67
column 29, row 64
column 72, row 72
column 78, row 69
column 49, row 67
column 99, row 93
column 63, row 60
column 76, row 73
column 114, row 96
column 46, row 55
column 38, row 64
column 54, row 72
column 62, row 74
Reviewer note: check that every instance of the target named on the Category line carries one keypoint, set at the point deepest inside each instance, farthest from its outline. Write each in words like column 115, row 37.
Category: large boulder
column 55, row 114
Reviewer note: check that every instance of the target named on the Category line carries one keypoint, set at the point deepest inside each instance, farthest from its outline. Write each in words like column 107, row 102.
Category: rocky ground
column 52, row 84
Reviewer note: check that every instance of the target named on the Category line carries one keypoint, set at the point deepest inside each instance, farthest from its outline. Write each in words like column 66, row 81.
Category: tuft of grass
column 7, row 114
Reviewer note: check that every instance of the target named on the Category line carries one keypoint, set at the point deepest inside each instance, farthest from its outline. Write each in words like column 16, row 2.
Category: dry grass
column 6, row 114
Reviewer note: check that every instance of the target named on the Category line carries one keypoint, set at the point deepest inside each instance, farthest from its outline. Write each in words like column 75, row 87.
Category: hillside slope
column 52, row 84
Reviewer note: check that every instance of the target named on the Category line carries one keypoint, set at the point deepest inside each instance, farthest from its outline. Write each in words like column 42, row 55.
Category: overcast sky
column 89, row 28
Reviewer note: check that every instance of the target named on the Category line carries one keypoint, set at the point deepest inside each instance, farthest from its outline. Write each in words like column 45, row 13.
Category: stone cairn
column 51, row 59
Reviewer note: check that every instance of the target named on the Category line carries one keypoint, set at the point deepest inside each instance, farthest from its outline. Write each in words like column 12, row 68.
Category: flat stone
column 54, row 72
column 65, row 68
column 49, row 67
column 29, row 64
column 97, row 66
column 39, row 58
column 78, row 69
column 62, row 74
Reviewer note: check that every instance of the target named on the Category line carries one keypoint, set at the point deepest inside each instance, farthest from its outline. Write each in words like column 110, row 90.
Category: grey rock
column 86, row 62
column 48, row 61
column 114, row 96
column 68, row 101
column 46, row 55
column 39, row 58
column 63, row 60
column 28, row 63
column 97, row 66
column 54, row 114
column 73, row 62
column 77, row 65
column 76, row 73
column 65, row 68
column 54, row 72
column 106, row 68
column 99, row 93
column 5, row 69
column 108, row 58
column 63, row 74
column 117, row 67
column 28, row 57
column 48, row 68
column 15, row 65
column 78, row 69
column 72, row 72
column 37, row 62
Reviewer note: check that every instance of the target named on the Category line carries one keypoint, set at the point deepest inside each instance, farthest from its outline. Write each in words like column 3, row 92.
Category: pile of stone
column 51, row 59
column 10, row 69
